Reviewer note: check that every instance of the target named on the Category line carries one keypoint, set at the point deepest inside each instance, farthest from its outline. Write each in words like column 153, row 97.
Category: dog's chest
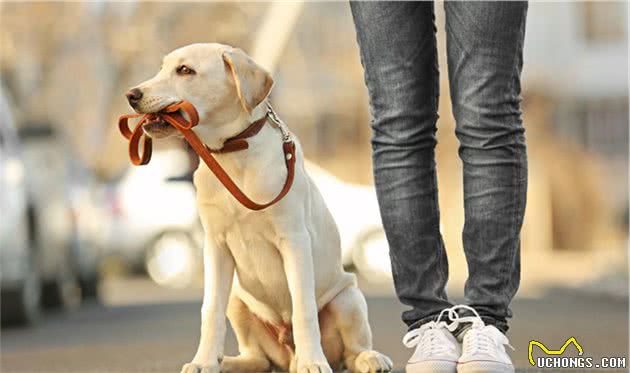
column 249, row 235
column 258, row 262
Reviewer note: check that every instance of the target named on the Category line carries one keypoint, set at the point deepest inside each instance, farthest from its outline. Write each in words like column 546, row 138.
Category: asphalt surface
column 154, row 330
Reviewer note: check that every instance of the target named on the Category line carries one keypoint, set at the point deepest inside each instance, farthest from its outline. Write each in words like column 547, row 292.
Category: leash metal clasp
column 286, row 134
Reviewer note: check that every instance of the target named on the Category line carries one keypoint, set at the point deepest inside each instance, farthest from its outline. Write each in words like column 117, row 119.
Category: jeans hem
column 433, row 317
column 488, row 320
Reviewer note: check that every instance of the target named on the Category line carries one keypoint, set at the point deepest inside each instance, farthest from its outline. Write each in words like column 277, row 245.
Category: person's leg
column 485, row 45
column 399, row 55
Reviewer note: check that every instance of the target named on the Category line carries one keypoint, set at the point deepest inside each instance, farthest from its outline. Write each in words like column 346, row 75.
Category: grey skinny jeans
column 399, row 55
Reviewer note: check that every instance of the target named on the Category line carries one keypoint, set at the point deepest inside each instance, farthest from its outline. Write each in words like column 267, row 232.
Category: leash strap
column 173, row 116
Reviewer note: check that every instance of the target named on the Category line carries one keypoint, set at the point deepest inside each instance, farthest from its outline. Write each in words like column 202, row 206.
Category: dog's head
column 222, row 82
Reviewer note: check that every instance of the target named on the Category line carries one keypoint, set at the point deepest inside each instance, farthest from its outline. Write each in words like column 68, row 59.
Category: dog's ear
column 253, row 83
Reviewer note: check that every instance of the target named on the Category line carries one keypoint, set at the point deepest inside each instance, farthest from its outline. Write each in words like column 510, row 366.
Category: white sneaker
column 483, row 346
column 436, row 351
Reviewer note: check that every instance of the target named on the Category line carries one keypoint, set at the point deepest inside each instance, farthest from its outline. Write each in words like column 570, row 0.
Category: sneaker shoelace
column 478, row 339
column 430, row 338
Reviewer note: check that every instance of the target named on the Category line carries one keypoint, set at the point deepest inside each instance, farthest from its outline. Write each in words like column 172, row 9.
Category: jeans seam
column 516, row 179
column 435, row 201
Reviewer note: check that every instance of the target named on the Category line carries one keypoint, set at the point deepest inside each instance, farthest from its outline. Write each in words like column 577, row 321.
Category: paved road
column 159, row 332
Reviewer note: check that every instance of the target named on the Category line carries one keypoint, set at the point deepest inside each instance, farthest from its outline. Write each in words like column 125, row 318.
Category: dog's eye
column 185, row 70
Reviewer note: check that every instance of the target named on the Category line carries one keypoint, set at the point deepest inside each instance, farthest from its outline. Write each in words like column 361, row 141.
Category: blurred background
column 97, row 276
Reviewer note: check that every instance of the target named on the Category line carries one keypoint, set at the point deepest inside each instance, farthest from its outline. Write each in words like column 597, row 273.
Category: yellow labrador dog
column 276, row 273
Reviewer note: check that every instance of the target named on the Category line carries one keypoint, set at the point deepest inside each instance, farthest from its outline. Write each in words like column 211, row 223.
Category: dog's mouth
column 156, row 124
column 158, row 128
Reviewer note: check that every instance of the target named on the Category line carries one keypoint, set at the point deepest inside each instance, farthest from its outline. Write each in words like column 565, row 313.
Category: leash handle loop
column 137, row 158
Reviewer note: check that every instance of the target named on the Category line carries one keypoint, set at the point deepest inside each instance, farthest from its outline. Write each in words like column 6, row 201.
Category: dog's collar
column 239, row 142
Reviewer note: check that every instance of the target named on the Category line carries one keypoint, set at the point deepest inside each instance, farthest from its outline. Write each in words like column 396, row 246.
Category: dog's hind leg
column 349, row 311
column 251, row 339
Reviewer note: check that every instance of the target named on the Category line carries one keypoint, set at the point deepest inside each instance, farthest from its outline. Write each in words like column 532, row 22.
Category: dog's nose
column 134, row 95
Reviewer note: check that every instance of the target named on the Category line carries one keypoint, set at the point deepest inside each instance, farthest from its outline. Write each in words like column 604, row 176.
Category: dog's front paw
column 372, row 362
column 200, row 368
column 314, row 367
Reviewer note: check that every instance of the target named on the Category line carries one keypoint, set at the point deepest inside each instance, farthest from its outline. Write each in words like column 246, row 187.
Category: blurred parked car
column 51, row 231
column 54, row 227
column 19, row 262
column 155, row 225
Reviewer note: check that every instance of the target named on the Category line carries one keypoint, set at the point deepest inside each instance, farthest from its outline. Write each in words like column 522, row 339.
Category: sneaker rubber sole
column 432, row 366
column 484, row 367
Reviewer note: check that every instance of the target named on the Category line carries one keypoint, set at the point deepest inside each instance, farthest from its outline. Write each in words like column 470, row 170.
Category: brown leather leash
column 173, row 116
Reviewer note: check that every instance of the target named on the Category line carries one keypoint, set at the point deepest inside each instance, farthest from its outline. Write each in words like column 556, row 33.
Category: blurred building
column 577, row 54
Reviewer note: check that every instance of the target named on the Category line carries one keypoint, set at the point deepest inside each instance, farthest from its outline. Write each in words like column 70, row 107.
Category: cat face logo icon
column 547, row 351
